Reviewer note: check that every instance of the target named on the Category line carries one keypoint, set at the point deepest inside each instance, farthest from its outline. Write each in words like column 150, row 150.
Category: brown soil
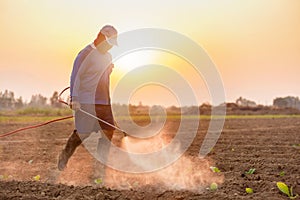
column 271, row 146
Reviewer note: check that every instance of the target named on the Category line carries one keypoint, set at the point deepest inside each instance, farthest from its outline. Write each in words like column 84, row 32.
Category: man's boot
column 103, row 145
column 73, row 142
column 103, row 148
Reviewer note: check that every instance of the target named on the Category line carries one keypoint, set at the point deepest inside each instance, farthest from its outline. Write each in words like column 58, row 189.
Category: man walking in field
column 90, row 92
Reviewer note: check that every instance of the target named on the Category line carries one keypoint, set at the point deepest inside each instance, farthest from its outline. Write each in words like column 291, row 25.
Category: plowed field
column 270, row 145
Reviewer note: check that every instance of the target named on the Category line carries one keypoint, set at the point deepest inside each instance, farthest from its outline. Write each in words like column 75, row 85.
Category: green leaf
column 295, row 197
column 98, row 181
column 213, row 186
column 37, row 177
column 5, row 176
column 251, row 171
column 249, row 190
column 296, row 146
column 283, row 188
column 282, row 173
column 215, row 169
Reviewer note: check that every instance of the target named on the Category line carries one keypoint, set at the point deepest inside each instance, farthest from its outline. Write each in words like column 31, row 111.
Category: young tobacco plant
column 286, row 190
column 282, row 173
column 213, row 187
column 249, row 190
column 250, row 171
column 98, row 181
column 215, row 169
column 36, row 178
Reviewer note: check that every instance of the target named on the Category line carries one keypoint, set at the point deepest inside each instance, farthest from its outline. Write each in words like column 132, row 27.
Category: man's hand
column 75, row 105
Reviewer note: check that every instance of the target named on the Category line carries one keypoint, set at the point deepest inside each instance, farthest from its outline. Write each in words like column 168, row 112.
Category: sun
column 134, row 60
column 131, row 61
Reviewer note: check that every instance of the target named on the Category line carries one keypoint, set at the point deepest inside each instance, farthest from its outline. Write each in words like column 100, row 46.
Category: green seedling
column 215, row 169
column 250, row 171
column 98, row 181
column 213, row 187
column 282, row 173
column 296, row 145
column 249, row 190
column 5, row 176
column 37, row 177
column 286, row 190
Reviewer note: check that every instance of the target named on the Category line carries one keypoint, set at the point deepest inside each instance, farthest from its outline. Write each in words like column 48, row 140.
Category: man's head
column 106, row 38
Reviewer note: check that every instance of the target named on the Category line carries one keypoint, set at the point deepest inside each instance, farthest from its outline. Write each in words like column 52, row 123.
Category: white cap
column 110, row 33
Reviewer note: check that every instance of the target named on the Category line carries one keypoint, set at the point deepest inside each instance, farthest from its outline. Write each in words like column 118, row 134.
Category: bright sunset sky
column 254, row 44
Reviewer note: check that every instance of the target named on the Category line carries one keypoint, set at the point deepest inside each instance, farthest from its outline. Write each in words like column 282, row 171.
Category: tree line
column 9, row 101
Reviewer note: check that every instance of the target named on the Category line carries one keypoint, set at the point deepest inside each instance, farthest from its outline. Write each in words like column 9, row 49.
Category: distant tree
column 120, row 109
column 175, row 110
column 19, row 103
column 38, row 101
column 192, row 110
column 287, row 102
column 157, row 110
column 7, row 100
column 54, row 100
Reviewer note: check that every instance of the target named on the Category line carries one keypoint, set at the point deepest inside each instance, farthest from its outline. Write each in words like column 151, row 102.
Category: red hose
column 59, row 96
column 35, row 126
column 42, row 124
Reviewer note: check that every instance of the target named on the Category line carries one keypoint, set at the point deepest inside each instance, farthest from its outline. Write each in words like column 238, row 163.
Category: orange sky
column 254, row 44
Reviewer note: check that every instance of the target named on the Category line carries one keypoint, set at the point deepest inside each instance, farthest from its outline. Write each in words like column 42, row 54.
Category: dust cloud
column 187, row 173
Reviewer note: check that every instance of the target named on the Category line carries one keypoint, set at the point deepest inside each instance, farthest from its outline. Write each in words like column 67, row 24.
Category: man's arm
column 74, row 84
column 73, row 79
column 77, row 70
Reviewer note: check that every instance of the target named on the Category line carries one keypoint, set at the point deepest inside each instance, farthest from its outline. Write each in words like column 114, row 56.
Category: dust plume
column 187, row 173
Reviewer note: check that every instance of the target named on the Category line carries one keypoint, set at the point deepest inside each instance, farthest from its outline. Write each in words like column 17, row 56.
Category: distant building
column 287, row 102
column 241, row 102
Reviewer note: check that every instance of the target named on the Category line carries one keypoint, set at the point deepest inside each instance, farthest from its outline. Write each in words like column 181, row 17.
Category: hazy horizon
column 137, row 103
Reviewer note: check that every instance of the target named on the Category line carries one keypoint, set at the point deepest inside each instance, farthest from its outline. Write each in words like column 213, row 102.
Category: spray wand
column 89, row 114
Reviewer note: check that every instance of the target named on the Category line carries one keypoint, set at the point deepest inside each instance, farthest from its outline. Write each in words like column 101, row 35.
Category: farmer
column 90, row 92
